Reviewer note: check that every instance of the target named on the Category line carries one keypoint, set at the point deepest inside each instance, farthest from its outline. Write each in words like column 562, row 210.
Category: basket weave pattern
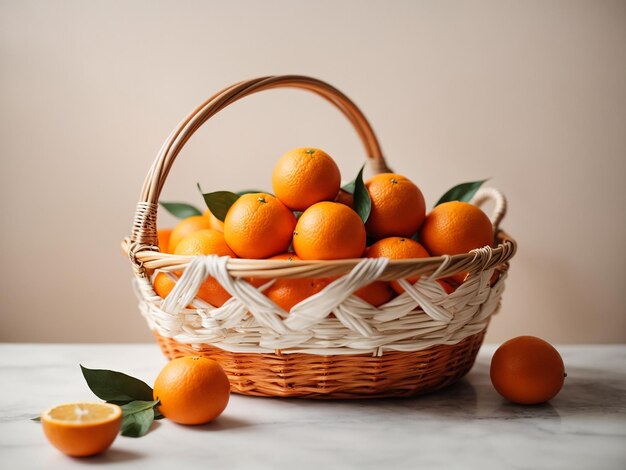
column 396, row 374
column 332, row 344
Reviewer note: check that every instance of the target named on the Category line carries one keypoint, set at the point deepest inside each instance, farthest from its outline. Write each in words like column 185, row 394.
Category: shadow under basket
column 395, row 374
column 332, row 344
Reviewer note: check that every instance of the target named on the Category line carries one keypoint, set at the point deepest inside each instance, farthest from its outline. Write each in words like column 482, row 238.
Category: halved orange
column 82, row 429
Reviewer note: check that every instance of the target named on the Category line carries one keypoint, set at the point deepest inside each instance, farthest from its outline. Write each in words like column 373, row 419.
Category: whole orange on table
column 527, row 370
column 192, row 390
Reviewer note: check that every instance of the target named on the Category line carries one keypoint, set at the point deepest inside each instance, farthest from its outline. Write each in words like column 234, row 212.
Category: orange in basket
column 304, row 176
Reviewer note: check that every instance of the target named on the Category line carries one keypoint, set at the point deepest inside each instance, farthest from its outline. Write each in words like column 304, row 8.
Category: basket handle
column 499, row 211
column 144, row 232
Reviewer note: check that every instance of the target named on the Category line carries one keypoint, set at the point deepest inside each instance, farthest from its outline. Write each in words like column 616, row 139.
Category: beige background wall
column 532, row 94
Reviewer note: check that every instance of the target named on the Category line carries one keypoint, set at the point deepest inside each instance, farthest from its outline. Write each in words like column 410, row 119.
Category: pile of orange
column 309, row 217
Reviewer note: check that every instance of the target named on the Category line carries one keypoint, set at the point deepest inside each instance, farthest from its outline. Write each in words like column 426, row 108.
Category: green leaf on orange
column 219, row 202
column 181, row 210
column 461, row 192
column 362, row 201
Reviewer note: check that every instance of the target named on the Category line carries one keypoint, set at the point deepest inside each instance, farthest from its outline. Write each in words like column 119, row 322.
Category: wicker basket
column 333, row 344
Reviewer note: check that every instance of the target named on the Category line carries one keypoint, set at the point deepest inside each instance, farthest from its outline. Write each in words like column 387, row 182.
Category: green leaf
column 37, row 419
column 461, row 192
column 180, row 209
column 219, row 202
column 362, row 201
column 116, row 387
column 349, row 187
column 157, row 414
column 137, row 417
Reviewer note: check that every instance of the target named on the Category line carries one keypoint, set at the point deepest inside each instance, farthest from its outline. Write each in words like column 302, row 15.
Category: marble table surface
column 465, row 426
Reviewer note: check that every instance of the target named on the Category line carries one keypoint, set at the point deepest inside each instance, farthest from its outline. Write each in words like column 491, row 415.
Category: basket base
column 395, row 374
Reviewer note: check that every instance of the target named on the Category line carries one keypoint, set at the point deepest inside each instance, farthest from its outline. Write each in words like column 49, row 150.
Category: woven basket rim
column 479, row 259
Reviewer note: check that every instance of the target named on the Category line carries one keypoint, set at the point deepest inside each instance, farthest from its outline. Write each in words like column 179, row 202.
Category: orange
column 164, row 239
column 456, row 227
column 260, row 281
column 258, row 225
column 289, row 292
column 288, row 256
column 205, row 242
column 377, row 293
column 185, row 227
column 398, row 206
column 494, row 277
column 344, row 197
column 447, row 286
column 163, row 283
column 216, row 224
column 304, row 176
column 329, row 230
column 397, row 248
column 210, row 291
column 192, row 390
column 527, row 370
column 82, row 429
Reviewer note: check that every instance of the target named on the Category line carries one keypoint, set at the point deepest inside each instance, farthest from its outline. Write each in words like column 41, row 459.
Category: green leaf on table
column 219, row 202
column 181, row 210
column 461, row 192
column 157, row 414
column 362, row 201
column 137, row 417
column 37, row 419
column 116, row 387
